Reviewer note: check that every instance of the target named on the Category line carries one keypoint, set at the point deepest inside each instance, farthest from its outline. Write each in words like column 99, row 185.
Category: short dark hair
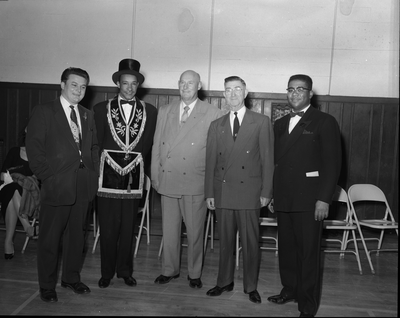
column 74, row 71
column 234, row 78
column 305, row 78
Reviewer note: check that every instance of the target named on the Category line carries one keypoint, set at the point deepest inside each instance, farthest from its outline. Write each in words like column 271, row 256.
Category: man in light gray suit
column 177, row 173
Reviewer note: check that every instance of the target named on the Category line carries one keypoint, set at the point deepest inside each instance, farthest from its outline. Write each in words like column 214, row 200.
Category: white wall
column 348, row 47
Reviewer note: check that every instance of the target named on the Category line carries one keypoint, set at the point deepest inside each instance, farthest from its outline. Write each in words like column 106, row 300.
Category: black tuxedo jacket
column 307, row 161
column 54, row 156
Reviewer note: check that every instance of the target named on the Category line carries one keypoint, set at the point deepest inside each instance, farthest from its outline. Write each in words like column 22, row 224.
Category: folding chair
column 145, row 210
column 33, row 224
column 346, row 225
column 369, row 193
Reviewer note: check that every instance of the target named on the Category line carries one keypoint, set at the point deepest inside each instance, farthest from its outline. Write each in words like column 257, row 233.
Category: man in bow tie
column 125, row 127
column 62, row 148
column 307, row 168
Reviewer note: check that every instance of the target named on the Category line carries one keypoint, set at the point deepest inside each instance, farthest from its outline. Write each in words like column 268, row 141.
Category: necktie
column 75, row 127
column 130, row 102
column 184, row 115
column 235, row 126
column 292, row 114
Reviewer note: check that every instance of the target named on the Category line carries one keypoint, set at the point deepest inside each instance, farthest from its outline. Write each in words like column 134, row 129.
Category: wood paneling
column 369, row 126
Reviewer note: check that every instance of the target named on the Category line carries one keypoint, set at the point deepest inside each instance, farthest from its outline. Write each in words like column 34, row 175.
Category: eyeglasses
column 298, row 90
column 236, row 89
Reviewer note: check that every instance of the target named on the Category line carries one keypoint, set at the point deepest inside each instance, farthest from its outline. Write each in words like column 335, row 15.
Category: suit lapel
column 84, row 121
column 195, row 117
column 297, row 131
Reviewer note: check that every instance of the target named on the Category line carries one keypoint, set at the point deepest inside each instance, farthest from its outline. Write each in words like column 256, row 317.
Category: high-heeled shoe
column 8, row 256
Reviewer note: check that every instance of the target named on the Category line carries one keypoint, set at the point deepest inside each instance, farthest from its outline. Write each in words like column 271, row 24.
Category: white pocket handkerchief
column 312, row 174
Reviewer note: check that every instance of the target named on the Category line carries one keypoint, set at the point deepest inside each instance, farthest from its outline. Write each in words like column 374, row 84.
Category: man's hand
column 321, row 210
column 271, row 206
column 210, row 203
column 264, row 201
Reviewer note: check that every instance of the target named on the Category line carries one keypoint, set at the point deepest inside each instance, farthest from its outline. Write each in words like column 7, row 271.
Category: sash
column 121, row 175
column 126, row 133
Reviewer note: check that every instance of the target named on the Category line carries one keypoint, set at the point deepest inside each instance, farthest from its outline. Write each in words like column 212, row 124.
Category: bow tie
column 130, row 102
column 292, row 114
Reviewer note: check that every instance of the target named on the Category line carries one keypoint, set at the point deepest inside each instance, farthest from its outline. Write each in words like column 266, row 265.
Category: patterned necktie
column 236, row 126
column 184, row 115
column 75, row 127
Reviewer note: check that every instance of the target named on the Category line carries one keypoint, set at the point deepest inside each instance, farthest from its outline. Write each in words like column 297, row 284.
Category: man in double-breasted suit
column 62, row 150
column 307, row 168
column 239, row 172
column 177, row 173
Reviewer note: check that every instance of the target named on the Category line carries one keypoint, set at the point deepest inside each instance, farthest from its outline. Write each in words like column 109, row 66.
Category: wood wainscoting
column 369, row 126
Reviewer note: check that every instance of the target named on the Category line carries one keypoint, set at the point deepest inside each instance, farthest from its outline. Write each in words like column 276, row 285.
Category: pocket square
column 312, row 174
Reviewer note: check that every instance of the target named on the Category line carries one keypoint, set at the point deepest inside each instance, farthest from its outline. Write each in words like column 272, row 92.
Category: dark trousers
column 248, row 224
column 66, row 222
column 117, row 218
column 299, row 245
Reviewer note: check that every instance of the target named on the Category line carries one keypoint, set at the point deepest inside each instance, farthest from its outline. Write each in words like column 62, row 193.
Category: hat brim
column 117, row 75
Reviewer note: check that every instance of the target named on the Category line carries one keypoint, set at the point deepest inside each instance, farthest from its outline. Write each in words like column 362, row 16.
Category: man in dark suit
column 238, row 182
column 62, row 148
column 125, row 130
column 307, row 168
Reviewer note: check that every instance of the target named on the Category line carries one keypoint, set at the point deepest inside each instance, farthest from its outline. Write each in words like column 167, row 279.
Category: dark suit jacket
column 54, row 156
column 239, row 172
column 307, row 161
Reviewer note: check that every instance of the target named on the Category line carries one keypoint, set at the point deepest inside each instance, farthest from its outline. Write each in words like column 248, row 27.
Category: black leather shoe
column 216, row 291
column 165, row 279
column 279, row 299
column 195, row 283
column 254, row 297
column 104, row 282
column 304, row 314
column 48, row 295
column 77, row 288
column 130, row 281
column 8, row 256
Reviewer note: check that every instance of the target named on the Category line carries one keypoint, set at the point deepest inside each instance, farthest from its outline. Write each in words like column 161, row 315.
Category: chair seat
column 378, row 224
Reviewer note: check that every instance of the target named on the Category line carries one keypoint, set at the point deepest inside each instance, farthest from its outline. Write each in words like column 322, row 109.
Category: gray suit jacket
column 178, row 155
column 239, row 172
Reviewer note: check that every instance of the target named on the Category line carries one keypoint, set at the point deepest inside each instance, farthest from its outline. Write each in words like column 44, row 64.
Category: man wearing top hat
column 125, row 128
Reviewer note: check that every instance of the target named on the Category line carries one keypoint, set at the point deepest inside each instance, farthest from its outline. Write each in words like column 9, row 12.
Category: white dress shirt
column 294, row 120
column 240, row 115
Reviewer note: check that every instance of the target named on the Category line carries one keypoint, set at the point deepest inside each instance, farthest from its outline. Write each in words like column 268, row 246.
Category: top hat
column 128, row 66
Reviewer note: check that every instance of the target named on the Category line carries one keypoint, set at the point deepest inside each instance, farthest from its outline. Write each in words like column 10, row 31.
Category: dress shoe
column 254, row 297
column 304, row 314
column 130, row 281
column 77, row 288
column 279, row 299
column 216, row 291
column 165, row 279
column 195, row 283
column 104, row 282
column 8, row 256
column 48, row 295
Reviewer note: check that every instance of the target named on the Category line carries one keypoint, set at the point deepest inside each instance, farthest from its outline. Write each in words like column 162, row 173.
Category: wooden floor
column 345, row 293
